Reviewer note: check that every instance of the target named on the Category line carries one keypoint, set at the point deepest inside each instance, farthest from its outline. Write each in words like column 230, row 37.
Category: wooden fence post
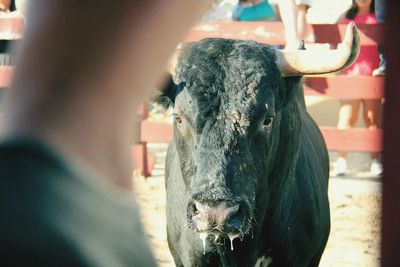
column 391, row 146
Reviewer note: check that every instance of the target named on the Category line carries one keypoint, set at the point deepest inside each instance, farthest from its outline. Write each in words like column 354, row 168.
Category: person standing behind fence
column 361, row 11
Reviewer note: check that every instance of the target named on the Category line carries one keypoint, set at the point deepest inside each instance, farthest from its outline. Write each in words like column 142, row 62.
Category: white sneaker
column 376, row 167
column 339, row 167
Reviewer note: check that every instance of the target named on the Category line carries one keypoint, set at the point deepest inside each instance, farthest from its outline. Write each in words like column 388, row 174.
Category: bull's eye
column 177, row 118
column 268, row 121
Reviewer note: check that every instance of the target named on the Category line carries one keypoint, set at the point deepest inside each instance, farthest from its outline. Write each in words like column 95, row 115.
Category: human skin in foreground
column 94, row 62
column 83, row 68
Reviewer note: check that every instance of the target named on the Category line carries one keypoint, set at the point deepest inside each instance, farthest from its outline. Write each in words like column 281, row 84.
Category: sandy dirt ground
column 355, row 217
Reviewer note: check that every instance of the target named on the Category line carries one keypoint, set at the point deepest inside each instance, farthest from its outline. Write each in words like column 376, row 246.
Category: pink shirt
column 368, row 59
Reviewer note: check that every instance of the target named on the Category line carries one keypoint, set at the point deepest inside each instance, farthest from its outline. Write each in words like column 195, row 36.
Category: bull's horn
column 308, row 62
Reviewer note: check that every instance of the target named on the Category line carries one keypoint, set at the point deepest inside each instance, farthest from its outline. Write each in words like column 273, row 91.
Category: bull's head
column 232, row 107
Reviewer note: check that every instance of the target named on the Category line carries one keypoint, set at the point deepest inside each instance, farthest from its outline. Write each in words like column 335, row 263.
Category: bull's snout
column 223, row 217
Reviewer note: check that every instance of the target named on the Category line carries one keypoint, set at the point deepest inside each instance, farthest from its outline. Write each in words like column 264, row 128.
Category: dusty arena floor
column 355, row 216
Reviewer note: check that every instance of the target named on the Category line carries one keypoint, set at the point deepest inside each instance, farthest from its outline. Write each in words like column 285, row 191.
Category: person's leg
column 371, row 116
column 372, row 107
column 380, row 11
column 348, row 114
column 372, row 113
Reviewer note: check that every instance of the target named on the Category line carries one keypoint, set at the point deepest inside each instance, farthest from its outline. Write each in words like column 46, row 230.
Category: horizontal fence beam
column 267, row 32
column 340, row 86
column 345, row 87
column 273, row 32
column 356, row 139
column 370, row 34
column 155, row 132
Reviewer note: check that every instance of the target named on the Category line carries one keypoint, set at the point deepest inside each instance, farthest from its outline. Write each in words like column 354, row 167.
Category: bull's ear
column 166, row 97
column 170, row 90
column 293, row 89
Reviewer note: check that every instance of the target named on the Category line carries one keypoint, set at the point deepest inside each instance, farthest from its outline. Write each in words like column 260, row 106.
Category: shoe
column 339, row 168
column 381, row 71
column 376, row 167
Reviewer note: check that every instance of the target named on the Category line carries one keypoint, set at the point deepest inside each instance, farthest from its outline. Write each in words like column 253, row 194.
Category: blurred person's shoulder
column 59, row 214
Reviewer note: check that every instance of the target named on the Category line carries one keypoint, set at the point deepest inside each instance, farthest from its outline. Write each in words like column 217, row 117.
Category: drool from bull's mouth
column 231, row 238
column 203, row 237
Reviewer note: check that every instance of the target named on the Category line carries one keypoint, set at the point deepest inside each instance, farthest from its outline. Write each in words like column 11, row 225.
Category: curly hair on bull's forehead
column 229, row 73
column 218, row 65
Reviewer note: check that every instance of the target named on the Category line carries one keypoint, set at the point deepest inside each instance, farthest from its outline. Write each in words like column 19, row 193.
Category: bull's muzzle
column 222, row 218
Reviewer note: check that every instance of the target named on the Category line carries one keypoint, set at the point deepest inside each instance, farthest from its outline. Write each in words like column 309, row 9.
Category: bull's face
column 227, row 117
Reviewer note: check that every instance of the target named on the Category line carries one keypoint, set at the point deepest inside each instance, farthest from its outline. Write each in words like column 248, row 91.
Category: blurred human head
column 5, row 5
column 360, row 4
column 363, row 3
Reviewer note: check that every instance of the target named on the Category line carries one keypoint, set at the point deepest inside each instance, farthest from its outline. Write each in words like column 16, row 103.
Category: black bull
column 247, row 169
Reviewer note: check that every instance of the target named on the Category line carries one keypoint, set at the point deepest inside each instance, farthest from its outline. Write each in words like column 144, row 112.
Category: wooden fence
column 340, row 87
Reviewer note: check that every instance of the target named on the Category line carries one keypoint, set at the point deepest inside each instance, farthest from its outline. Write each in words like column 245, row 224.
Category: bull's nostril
column 195, row 210
column 199, row 208
column 235, row 218
column 198, row 217
column 192, row 210
column 232, row 210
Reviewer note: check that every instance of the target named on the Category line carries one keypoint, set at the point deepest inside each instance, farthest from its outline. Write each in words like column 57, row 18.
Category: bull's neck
column 283, row 172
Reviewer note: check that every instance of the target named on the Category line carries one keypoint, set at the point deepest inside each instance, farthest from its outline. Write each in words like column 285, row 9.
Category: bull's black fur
column 244, row 136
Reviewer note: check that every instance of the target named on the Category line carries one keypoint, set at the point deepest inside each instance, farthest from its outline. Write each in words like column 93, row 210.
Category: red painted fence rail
column 273, row 32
